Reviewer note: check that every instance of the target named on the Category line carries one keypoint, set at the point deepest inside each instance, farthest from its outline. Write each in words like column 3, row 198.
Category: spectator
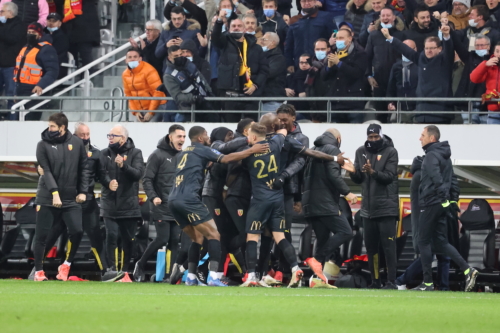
column 40, row 68
column 140, row 79
column 190, row 51
column 434, row 6
column 356, row 12
column 494, row 11
column 310, row 24
column 381, row 56
column 400, row 6
column 272, row 21
column 403, row 82
column 178, row 30
column 460, row 14
column 251, row 27
column 230, row 9
column 296, row 87
column 31, row 10
column 371, row 18
column 12, row 40
column 192, row 12
column 346, row 72
column 276, row 80
column 148, row 46
column 315, row 87
column 186, row 84
column 435, row 66
column 347, row 26
column 337, row 8
column 423, row 26
column 243, row 67
column 479, row 25
column 488, row 72
column 60, row 41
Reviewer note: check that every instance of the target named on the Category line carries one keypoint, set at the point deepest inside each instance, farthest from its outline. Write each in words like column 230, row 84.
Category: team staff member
column 434, row 195
column 186, row 206
column 60, row 191
column 158, row 181
column 376, row 169
column 323, row 185
column 122, row 167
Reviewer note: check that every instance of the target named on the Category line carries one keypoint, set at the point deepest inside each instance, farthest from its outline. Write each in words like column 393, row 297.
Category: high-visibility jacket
column 27, row 69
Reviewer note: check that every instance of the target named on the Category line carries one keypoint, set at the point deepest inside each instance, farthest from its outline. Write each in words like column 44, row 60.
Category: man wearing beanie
column 460, row 14
column 376, row 169
column 37, row 67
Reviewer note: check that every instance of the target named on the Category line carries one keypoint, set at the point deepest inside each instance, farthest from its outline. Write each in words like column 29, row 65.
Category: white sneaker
column 250, row 283
column 269, row 280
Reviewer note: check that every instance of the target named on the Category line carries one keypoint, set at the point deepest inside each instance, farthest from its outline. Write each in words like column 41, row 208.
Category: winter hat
column 36, row 27
column 465, row 2
column 219, row 134
column 374, row 128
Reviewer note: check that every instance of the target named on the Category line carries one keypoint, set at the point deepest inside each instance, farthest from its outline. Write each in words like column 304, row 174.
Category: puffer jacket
column 124, row 202
column 490, row 75
column 64, row 162
column 142, row 81
column 159, row 178
column 437, row 174
column 323, row 181
column 295, row 164
column 380, row 190
column 355, row 16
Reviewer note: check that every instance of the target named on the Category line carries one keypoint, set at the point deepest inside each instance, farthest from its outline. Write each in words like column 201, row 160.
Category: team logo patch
column 217, row 211
column 379, row 157
column 475, row 208
column 240, row 212
column 125, row 157
column 89, row 154
column 216, row 151
column 38, row 208
column 181, row 77
column 70, row 147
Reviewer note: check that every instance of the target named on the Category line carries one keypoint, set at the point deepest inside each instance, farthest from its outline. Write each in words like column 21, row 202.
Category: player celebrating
column 185, row 203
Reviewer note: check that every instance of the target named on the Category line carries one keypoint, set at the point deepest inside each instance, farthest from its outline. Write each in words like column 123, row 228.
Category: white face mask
column 190, row 58
column 472, row 23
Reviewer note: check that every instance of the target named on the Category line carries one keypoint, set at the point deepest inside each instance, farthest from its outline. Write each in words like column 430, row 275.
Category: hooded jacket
column 64, row 162
column 159, row 178
column 356, row 16
column 323, row 181
column 202, row 65
column 12, row 40
column 380, row 190
column 437, row 174
column 124, row 202
column 295, row 164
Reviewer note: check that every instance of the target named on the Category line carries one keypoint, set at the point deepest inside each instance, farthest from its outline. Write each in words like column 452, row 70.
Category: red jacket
column 490, row 75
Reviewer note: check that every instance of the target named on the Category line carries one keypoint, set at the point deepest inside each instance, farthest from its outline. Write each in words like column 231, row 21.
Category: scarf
column 71, row 9
column 244, row 69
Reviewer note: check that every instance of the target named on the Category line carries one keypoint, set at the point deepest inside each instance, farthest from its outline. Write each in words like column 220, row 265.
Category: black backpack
column 478, row 216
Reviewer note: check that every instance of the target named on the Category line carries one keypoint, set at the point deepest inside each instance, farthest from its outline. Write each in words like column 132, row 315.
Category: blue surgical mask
column 250, row 32
column 340, row 44
column 133, row 64
column 190, row 58
column 387, row 26
column 405, row 59
column 269, row 12
column 440, row 35
column 186, row 11
column 52, row 29
column 320, row 55
column 3, row 19
column 481, row 53
column 265, row 49
column 228, row 13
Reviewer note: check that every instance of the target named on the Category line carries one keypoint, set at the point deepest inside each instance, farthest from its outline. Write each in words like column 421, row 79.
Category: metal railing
column 260, row 100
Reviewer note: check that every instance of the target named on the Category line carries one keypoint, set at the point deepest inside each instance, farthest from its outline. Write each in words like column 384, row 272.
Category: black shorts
column 189, row 212
column 262, row 214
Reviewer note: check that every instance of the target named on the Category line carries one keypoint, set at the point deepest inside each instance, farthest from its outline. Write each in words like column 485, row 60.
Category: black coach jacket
column 238, row 178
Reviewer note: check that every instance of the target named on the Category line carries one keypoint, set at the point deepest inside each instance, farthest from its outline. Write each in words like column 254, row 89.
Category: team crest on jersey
column 89, row 154
column 240, row 212
column 38, row 208
column 379, row 157
column 217, row 211
column 70, row 147
column 125, row 157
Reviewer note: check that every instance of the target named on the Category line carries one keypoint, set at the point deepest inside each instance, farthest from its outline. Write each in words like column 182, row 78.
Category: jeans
column 270, row 106
column 493, row 121
column 171, row 117
column 7, row 83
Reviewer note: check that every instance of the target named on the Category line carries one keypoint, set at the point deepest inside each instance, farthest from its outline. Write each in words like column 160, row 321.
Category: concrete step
column 112, row 81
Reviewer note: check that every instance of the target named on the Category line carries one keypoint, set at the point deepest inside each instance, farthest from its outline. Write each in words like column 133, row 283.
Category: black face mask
column 54, row 134
column 32, row 40
column 180, row 61
column 310, row 11
column 86, row 141
column 236, row 35
column 114, row 146
column 374, row 146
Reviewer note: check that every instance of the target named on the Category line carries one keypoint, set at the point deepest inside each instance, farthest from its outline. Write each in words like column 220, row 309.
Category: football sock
column 251, row 256
column 288, row 252
column 193, row 257
column 214, row 251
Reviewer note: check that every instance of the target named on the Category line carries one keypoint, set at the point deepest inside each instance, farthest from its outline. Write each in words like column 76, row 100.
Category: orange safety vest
column 27, row 70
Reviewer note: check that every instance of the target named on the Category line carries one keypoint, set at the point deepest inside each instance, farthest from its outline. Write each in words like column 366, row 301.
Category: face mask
column 374, row 146
column 228, row 13
column 86, row 141
column 309, row 11
column 481, row 53
column 190, row 58
column 54, row 134
column 472, row 23
column 265, row 49
column 114, row 146
column 32, row 40
column 340, row 44
column 320, row 55
column 52, row 29
column 133, row 64
column 405, row 59
column 250, row 33
column 387, row 26
column 180, row 61
column 3, row 19
column 236, row 35
column 269, row 12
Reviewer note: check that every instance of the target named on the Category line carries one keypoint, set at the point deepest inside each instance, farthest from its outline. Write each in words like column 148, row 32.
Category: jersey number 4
column 183, row 161
column 272, row 167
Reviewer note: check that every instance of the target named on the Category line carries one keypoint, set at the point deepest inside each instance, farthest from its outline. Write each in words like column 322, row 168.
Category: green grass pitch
column 27, row 306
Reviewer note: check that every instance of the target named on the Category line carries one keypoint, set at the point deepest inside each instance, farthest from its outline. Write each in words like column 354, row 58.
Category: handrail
column 79, row 71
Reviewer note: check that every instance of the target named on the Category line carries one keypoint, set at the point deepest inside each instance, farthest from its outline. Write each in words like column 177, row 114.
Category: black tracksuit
column 65, row 166
column 380, row 205
column 120, row 209
column 158, row 181
column 434, row 190
column 323, row 185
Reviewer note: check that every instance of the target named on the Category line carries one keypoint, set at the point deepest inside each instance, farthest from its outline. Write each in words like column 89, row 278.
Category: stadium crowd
column 332, row 48
column 232, row 189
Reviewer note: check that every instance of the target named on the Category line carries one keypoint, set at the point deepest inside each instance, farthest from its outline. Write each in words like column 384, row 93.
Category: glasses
column 482, row 45
column 150, row 30
column 112, row 136
column 430, row 48
column 303, row 63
